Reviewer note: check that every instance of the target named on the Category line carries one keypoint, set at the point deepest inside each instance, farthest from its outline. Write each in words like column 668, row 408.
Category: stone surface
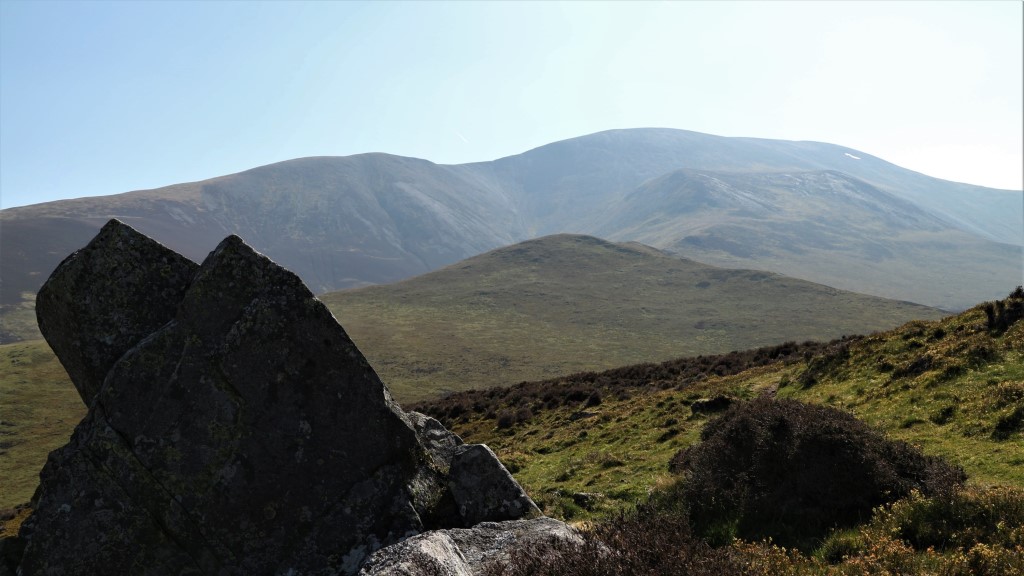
column 439, row 442
column 467, row 551
column 483, row 489
column 106, row 297
column 243, row 434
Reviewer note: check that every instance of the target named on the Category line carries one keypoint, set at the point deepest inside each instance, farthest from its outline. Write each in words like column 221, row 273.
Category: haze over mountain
column 342, row 222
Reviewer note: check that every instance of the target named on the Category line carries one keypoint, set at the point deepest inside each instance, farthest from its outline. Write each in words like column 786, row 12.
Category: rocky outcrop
column 235, row 429
column 466, row 552
column 107, row 297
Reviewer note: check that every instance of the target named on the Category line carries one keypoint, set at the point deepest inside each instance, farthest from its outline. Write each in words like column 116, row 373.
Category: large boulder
column 106, row 297
column 244, row 433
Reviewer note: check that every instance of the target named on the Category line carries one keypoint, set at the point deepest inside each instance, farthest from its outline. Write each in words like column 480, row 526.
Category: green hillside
column 953, row 387
column 568, row 303
column 39, row 408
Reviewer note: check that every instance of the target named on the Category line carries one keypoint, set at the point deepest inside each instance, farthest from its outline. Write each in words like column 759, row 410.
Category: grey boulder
column 466, row 551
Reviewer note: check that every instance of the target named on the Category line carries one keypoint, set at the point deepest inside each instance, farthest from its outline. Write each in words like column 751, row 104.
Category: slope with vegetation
column 823, row 224
column 593, row 446
column 568, row 303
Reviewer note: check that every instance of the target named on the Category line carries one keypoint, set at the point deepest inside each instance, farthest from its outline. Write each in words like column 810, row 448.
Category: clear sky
column 107, row 97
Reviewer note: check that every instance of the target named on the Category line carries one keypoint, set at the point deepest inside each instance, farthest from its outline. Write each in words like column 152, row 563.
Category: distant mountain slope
column 567, row 183
column 824, row 225
column 377, row 218
column 569, row 303
column 337, row 222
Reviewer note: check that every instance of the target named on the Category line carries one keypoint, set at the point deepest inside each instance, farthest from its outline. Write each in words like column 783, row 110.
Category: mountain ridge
column 376, row 218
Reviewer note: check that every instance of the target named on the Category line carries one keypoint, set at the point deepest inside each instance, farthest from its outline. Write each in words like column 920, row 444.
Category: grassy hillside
column 592, row 443
column 567, row 303
column 39, row 409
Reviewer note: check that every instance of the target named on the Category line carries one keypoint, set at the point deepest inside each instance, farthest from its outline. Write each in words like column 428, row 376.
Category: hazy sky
column 107, row 97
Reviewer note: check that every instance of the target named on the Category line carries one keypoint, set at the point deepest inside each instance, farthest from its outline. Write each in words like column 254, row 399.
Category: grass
column 952, row 409
column 39, row 408
column 565, row 303
column 19, row 320
column 620, row 447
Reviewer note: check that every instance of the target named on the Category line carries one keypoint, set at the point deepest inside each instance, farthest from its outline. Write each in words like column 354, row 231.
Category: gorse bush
column 790, row 471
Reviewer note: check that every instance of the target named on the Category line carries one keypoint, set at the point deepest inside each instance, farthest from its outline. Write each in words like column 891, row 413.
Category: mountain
column 569, row 303
column 567, row 184
column 825, row 225
column 377, row 218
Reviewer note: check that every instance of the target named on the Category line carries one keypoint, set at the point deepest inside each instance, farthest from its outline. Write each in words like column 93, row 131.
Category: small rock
column 483, row 489
column 586, row 500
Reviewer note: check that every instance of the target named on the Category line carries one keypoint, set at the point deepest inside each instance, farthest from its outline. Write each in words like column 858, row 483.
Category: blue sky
column 106, row 97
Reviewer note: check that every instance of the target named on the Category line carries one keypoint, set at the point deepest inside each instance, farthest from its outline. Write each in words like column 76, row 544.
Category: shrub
column 792, row 471
column 961, row 519
column 523, row 414
column 944, row 415
column 506, row 419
